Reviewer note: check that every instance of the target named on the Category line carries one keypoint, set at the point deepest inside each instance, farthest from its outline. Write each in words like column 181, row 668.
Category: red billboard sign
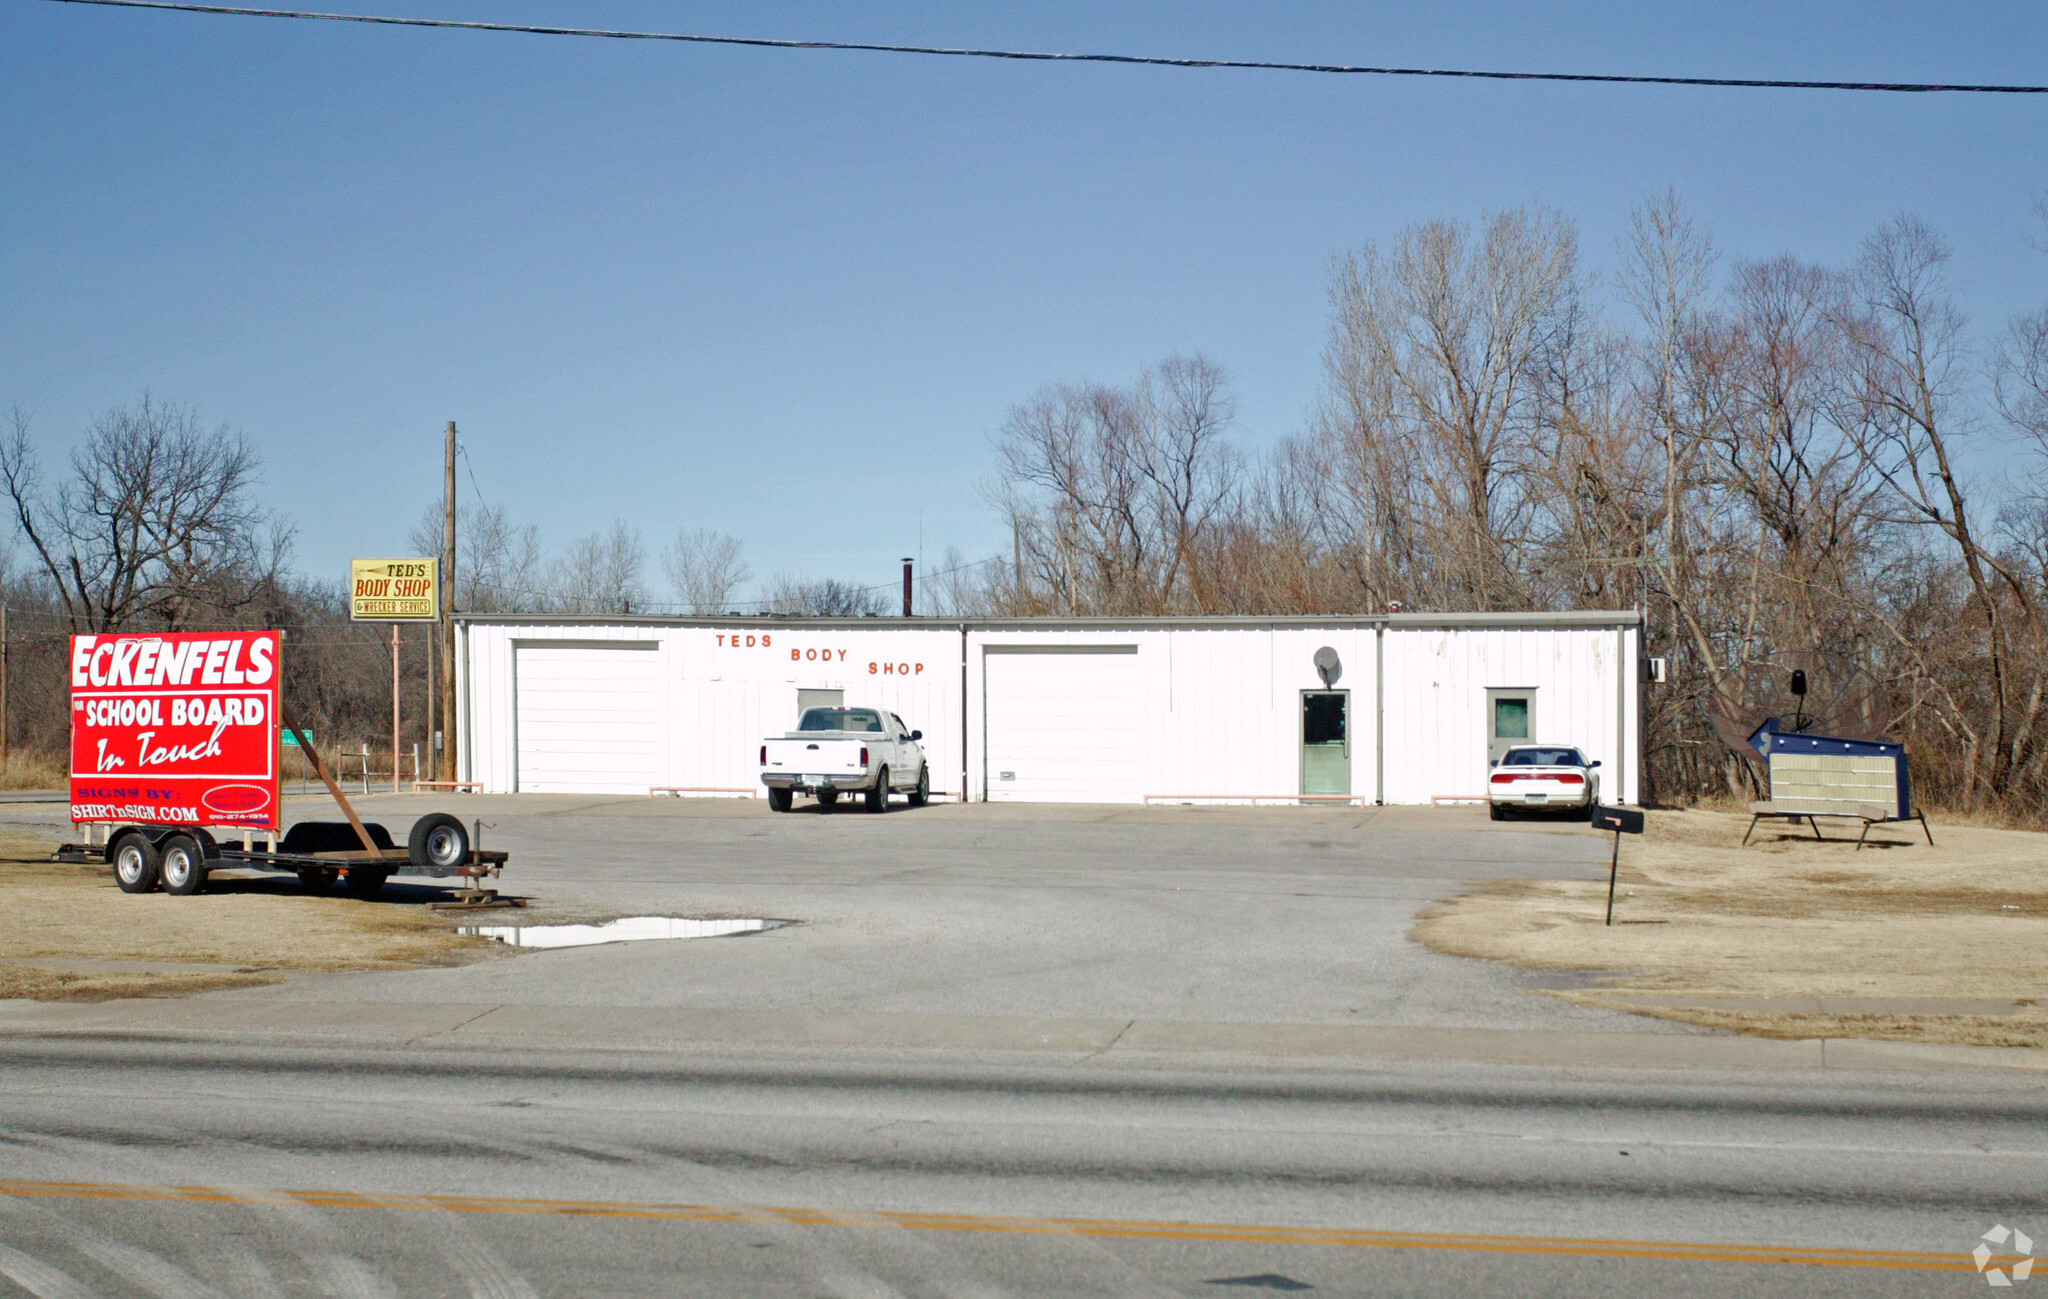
column 178, row 728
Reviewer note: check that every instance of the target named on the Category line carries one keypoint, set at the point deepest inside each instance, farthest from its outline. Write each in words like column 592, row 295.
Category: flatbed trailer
column 359, row 854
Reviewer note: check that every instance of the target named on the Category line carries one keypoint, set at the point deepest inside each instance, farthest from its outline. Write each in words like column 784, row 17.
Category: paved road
column 875, row 1175
column 1226, row 1070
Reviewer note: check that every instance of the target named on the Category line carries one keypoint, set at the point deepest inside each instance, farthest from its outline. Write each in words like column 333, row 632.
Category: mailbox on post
column 1621, row 820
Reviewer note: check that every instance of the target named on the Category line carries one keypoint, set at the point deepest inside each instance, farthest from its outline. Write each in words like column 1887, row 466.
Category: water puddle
column 632, row 929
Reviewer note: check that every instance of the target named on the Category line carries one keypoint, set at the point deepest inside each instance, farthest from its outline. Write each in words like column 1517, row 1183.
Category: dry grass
column 26, row 770
column 1700, row 916
column 258, row 929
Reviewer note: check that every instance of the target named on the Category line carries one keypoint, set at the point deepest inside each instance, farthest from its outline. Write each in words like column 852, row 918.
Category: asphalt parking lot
column 1219, row 914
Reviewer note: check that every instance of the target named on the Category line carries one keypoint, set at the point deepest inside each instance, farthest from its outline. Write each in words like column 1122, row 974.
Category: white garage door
column 590, row 719
column 1064, row 726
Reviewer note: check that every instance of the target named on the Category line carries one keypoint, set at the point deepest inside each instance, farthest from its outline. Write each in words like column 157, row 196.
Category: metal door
column 1510, row 720
column 1326, row 741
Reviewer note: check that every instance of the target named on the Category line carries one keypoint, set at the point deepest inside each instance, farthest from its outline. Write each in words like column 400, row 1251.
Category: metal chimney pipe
column 906, row 586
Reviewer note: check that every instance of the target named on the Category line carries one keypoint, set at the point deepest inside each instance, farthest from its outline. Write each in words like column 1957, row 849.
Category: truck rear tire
column 183, row 865
column 438, row 844
column 780, row 800
column 365, row 881
column 878, row 797
column 923, row 793
column 135, row 861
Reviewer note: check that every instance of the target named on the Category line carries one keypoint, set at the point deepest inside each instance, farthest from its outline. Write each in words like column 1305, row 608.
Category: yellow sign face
column 394, row 590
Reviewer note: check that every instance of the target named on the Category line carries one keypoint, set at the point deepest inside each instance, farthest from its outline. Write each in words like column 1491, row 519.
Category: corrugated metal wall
column 1222, row 704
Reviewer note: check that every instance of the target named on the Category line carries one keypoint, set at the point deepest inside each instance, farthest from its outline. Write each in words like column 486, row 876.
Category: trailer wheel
column 780, row 800
column 365, row 881
column 923, row 793
column 135, row 861
column 438, row 844
column 878, row 797
column 183, row 865
column 317, row 879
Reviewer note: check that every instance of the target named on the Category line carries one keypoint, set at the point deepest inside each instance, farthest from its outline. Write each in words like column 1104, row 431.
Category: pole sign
column 394, row 590
column 176, row 728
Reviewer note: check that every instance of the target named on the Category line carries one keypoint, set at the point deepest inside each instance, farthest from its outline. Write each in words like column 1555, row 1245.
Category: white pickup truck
column 842, row 750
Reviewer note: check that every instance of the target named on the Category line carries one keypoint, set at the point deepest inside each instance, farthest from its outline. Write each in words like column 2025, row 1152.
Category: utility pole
column 395, row 696
column 446, row 767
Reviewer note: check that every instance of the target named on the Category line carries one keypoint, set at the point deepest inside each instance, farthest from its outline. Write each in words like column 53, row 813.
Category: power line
column 1041, row 56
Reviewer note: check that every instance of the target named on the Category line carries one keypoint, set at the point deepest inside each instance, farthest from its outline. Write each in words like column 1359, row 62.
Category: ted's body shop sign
column 176, row 729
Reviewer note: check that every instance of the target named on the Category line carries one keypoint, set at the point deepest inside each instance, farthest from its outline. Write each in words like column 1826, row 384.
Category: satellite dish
column 1328, row 666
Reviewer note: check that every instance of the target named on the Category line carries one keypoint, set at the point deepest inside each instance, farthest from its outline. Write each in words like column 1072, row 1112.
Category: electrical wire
column 1041, row 56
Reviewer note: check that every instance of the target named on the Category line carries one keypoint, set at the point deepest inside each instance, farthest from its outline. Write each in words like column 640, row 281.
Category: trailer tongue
column 175, row 736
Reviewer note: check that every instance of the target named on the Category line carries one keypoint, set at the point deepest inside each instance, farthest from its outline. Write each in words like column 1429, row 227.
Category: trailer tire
column 438, row 844
column 317, row 879
column 878, row 797
column 923, row 793
column 365, row 882
column 182, row 865
column 135, row 861
column 780, row 800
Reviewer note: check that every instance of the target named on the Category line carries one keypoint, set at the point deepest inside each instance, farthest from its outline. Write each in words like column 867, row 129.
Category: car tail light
column 1569, row 778
column 764, row 755
column 1503, row 778
column 863, row 755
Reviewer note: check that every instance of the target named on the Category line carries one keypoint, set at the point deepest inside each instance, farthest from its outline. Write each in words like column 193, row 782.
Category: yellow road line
column 1343, row 1238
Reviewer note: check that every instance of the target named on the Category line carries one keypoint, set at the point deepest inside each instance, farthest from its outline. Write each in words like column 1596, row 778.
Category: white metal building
column 1055, row 710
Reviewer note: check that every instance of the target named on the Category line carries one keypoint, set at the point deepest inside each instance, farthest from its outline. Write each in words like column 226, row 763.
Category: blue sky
column 790, row 295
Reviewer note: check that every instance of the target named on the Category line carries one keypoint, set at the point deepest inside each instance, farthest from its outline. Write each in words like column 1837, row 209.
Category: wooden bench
column 1869, row 814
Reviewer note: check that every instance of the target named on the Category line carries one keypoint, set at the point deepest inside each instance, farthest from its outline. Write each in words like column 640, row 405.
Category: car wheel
column 135, row 861
column 878, row 797
column 923, row 793
column 317, row 879
column 1495, row 812
column 780, row 800
column 365, row 881
column 438, row 844
column 183, row 865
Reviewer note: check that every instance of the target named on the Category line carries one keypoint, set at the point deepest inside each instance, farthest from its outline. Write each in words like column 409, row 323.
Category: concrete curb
column 603, row 1028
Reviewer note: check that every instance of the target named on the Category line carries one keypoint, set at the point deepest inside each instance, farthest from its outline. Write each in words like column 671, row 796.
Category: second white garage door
column 589, row 719
column 1064, row 725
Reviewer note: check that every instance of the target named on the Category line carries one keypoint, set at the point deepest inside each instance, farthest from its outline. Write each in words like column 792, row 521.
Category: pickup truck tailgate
column 816, row 757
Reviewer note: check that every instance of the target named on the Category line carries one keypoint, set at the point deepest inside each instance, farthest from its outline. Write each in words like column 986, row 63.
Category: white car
column 836, row 751
column 1542, row 776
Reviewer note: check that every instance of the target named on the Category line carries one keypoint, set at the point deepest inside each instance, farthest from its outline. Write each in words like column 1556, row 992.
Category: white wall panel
column 1218, row 707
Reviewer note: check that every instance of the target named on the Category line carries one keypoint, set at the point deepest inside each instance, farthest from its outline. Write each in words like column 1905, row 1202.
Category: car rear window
column 1543, row 758
column 840, row 719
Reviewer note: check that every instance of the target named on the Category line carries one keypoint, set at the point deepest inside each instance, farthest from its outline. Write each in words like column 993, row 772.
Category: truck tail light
column 863, row 755
column 764, row 755
column 1569, row 778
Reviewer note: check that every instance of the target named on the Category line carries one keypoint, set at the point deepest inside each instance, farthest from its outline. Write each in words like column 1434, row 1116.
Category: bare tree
column 601, row 573
column 501, row 568
column 1438, row 358
column 1110, row 491
column 156, row 523
column 825, row 598
column 704, row 568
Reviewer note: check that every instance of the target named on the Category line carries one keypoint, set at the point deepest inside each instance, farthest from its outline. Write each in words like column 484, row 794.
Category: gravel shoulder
column 1789, row 937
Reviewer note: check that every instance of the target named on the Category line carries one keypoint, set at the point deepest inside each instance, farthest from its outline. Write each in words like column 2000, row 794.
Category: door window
column 1510, row 719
